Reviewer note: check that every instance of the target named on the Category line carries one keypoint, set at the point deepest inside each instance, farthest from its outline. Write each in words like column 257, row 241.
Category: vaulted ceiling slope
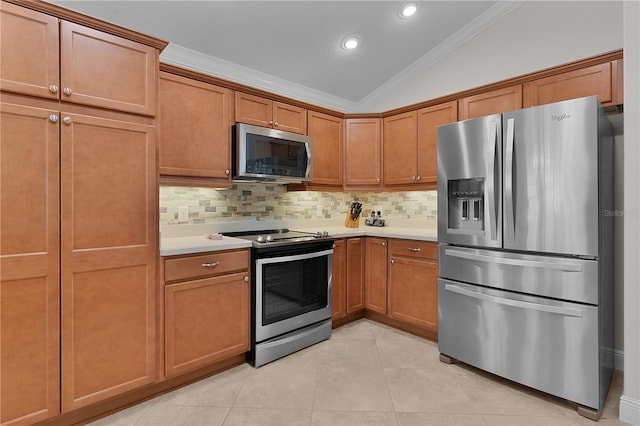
column 293, row 47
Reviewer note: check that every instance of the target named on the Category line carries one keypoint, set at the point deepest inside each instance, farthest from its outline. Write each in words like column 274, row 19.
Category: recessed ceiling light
column 408, row 9
column 349, row 43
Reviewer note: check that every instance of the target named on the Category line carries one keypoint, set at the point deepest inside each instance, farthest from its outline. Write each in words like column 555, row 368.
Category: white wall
column 534, row 36
column 630, row 400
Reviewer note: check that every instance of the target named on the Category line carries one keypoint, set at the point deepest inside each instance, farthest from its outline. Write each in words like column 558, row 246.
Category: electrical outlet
column 183, row 214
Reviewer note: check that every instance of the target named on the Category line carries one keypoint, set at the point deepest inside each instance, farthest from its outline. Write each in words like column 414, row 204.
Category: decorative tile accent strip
column 273, row 202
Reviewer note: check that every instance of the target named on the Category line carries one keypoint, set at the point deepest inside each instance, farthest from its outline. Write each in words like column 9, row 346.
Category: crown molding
column 190, row 59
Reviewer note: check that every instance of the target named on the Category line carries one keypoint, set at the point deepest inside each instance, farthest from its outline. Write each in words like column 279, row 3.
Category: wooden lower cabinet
column 355, row 274
column 206, row 309
column 339, row 280
column 375, row 287
column 108, row 240
column 29, row 264
column 413, row 283
column 206, row 321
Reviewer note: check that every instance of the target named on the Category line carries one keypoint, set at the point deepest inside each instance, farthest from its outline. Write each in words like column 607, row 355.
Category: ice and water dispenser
column 466, row 205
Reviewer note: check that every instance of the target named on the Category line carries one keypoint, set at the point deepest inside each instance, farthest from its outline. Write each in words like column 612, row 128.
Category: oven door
column 292, row 291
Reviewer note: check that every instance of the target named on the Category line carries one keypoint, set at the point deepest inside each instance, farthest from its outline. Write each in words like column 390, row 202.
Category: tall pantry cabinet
column 78, row 214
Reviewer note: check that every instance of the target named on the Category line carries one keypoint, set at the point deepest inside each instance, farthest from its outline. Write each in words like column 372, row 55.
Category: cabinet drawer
column 204, row 265
column 412, row 248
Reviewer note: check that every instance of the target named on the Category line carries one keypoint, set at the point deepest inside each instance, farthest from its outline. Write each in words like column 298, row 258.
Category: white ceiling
column 293, row 47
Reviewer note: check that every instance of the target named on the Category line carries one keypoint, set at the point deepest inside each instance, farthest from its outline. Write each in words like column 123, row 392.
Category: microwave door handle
column 307, row 147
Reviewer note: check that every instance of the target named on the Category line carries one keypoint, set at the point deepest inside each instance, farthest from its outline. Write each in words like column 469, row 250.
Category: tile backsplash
column 272, row 202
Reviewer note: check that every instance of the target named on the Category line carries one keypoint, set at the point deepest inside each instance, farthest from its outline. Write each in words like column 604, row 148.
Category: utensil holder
column 352, row 223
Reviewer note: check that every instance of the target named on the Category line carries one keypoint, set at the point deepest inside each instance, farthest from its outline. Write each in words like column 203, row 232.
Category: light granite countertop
column 186, row 244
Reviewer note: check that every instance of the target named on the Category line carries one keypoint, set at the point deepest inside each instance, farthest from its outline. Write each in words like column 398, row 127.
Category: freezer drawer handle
column 569, row 312
column 569, row 267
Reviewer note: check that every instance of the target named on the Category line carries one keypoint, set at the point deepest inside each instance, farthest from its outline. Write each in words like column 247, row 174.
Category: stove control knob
column 318, row 235
column 325, row 234
column 260, row 239
column 269, row 238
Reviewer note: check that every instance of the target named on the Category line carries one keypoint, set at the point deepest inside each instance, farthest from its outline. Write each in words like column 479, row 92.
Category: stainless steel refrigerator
column 525, row 231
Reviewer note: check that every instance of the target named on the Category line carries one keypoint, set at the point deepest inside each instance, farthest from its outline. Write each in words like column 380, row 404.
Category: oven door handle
column 294, row 257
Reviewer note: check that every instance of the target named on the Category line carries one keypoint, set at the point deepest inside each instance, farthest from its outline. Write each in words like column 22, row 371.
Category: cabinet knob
column 275, row 124
column 415, row 250
column 413, row 178
column 210, row 264
column 53, row 88
column 384, row 244
column 393, row 262
column 67, row 120
column 246, row 279
column 226, row 172
column 67, row 91
column 419, row 177
column 53, row 118
column 270, row 122
column 378, row 180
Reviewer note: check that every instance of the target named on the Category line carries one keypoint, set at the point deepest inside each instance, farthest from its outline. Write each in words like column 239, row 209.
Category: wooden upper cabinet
column 29, row 263
column 195, row 122
column 29, row 58
column 259, row 111
column 428, row 121
column 106, row 71
column 601, row 80
column 492, row 102
column 327, row 132
column 92, row 67
column 362, row 150
column 108, row 257
column 400, row 148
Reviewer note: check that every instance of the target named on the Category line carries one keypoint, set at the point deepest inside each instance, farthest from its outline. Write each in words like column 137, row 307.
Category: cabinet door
column 289, row 118
column 29, row 58
column 109, row 249
column 339, row 281
column 194, row 128
column 375, row 287
column 327, row 134
column 106, row 71
column 593, row 80
column 493, row 102
column 400, row 148
column 428, row 121
column 413, row 291
column 251, row 109
column 29, row 264
column 363, row 166
column 206, row 321
column 355, row 274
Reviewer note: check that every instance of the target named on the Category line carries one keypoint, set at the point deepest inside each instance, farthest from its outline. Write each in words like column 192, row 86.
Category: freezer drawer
column 548, row 345
column 557, row 277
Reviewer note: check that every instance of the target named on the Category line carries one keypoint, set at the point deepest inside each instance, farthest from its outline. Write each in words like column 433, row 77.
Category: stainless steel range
column 290, row 292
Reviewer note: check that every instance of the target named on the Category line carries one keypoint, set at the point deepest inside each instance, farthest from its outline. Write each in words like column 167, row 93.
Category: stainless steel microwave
column 263, row 154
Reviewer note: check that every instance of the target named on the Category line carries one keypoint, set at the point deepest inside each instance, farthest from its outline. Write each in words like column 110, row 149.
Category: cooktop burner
column 283, row 236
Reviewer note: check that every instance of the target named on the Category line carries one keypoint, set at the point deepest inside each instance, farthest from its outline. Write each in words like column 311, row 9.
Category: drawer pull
column 210, row 265
column 415, row 250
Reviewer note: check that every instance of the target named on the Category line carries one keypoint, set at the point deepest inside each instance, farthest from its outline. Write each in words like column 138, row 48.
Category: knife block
column 351, row 223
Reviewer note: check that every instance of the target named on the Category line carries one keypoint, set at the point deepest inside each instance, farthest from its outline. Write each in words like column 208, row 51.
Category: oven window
column 293, row 288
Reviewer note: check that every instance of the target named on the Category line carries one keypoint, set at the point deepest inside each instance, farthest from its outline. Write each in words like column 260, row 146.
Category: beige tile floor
column 366, row 374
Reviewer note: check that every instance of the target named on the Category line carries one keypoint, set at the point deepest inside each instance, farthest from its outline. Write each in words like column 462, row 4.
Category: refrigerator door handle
column 491, row 189
column 569, row 312
column 566, row 266
column 509, row 215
